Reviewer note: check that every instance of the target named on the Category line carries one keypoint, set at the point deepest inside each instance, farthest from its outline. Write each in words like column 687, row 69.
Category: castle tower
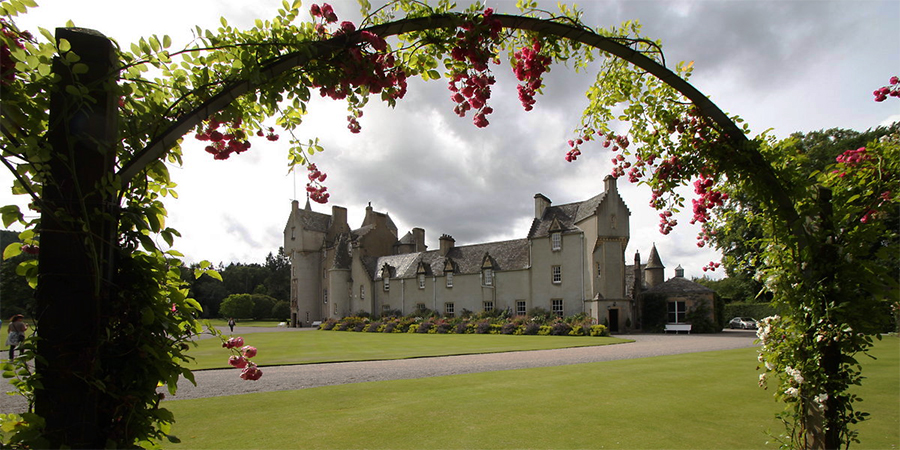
column 304, row 237
column 655, row 270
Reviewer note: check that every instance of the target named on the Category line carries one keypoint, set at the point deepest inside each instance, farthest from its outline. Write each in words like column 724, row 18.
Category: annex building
column 571, row 261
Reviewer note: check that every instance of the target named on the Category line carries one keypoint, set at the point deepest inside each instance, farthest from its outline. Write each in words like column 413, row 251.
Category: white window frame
column 387, row 284
column 521, row 308
column 557, row 307
column 556, row 274
column 362, row 292
column 556, row 241
column 487, row 306
column 325, row 295
column 487, row 276
column 679, row 313
column 449, row 309
column 449, row 279
column 421, row 281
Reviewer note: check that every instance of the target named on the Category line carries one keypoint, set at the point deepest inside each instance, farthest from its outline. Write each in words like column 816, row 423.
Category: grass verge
column 307, row 347
column 694, row 401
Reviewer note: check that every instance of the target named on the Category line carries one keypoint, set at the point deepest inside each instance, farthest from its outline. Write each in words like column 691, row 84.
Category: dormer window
column 556, row 241
column 386, row 277
column 487, row 271
column 421, row 281
column 448, row 272
column 487, row 276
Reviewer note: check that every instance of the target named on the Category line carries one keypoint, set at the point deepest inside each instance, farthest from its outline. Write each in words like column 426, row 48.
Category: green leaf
column 64, row 45
column 12, row 250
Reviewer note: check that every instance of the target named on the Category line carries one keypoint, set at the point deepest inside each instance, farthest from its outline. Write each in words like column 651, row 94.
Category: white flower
column 793, row 392
column 821, row 398
column 770, row 366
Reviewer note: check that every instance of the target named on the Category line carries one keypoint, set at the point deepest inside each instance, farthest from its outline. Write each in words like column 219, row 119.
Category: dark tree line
column 271, row 280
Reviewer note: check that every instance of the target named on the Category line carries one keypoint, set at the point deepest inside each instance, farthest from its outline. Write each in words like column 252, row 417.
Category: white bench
column 676, row 327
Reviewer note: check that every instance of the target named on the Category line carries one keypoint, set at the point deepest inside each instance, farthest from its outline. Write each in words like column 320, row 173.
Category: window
column 556, row 274
column 556, row 241
column 520, row 308
column 421, row 281
column 325, row 295
column 676, row 312
column 556, row 306
column 449, row 279
column 449, row 309
column 387, row 284
column 362, row 292
column 599, row 270
column 488, row 277
column 488, row 306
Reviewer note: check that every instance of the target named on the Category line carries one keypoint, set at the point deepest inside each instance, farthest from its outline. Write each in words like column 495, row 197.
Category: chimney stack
column 447, row 243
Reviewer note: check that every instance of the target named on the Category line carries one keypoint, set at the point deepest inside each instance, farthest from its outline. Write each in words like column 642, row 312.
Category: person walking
column 231, row 324
column 16, row 329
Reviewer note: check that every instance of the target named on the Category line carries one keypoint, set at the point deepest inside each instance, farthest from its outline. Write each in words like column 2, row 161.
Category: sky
column 784, row 66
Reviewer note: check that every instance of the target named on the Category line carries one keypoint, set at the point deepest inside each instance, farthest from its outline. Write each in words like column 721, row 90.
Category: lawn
column 695, row 401
column 307, row 347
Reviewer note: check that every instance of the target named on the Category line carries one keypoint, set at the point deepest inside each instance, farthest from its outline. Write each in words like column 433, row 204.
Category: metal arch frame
column 182, row 125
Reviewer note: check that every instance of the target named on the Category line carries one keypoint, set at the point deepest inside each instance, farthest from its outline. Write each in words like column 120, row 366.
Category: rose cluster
column 708, row 199
column 529, row 69
column 365, row 65
column 232, row 139
column 7, row 63
column 891, row 90
column 241, row 358
column 314, row 187
column 470, row 78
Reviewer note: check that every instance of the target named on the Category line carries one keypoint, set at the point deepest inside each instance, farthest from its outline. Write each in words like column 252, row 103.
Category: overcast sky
column 786, row 65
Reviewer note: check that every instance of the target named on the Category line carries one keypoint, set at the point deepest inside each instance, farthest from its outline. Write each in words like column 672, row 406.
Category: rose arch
column 97, row 381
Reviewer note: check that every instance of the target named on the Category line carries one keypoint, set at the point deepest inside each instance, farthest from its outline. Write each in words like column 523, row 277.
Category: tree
column 262, row 306
column 227, row 85
column 238, row 306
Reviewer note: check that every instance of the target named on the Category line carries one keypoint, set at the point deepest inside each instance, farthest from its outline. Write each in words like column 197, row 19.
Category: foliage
column 698, row 317
column 262, row 306
column 654, row 312
column 818, row 232
column 17, row 294
column 281, row 310
column 238, row 306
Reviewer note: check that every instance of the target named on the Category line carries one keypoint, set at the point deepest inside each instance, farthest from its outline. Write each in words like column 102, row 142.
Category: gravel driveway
column 215, row 383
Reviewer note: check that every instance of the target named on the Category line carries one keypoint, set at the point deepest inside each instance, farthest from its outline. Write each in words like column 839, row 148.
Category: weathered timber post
column 77, row 233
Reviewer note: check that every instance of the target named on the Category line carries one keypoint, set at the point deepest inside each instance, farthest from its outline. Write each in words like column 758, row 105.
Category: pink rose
column 248, row 351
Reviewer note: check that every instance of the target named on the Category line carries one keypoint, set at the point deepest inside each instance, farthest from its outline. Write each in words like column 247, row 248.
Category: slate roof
column 313, row 221
column 505, row 255
column 680, row 285
column 567, row 216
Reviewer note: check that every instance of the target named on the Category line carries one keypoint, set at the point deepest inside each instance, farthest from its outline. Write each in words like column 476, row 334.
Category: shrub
column 391, row 313
column 560, row 329
column 423, row 327
column 362, row 313
column 281, row 310
column 545, row 330
column 262, row 306
column 373, row 327
column 389, row 327
column 699, row 319
column 463, row 327
column 442, row 327
column 599, row 330
column 509, row 328
column 239, row 306
column 496, row 328
column 540, row 315
column 483, row 327
column 531, row 328
column 577, row 330
column 413, row 328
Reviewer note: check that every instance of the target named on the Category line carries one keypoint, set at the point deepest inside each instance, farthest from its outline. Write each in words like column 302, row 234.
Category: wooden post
column 77, row 232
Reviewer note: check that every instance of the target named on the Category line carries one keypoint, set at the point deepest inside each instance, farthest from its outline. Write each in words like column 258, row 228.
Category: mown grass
column 313, row 346
column 694, row 401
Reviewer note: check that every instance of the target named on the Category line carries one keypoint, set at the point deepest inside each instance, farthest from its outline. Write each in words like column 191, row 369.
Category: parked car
column 744, row 323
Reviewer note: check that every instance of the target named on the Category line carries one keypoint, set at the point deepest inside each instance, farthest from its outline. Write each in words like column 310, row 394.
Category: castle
column 572, row 261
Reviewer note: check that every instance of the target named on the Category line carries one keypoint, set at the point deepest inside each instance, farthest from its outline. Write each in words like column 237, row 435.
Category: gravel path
column 215, row 383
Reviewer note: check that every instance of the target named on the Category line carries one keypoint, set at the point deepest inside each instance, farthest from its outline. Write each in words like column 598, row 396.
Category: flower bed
column 485, row 323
